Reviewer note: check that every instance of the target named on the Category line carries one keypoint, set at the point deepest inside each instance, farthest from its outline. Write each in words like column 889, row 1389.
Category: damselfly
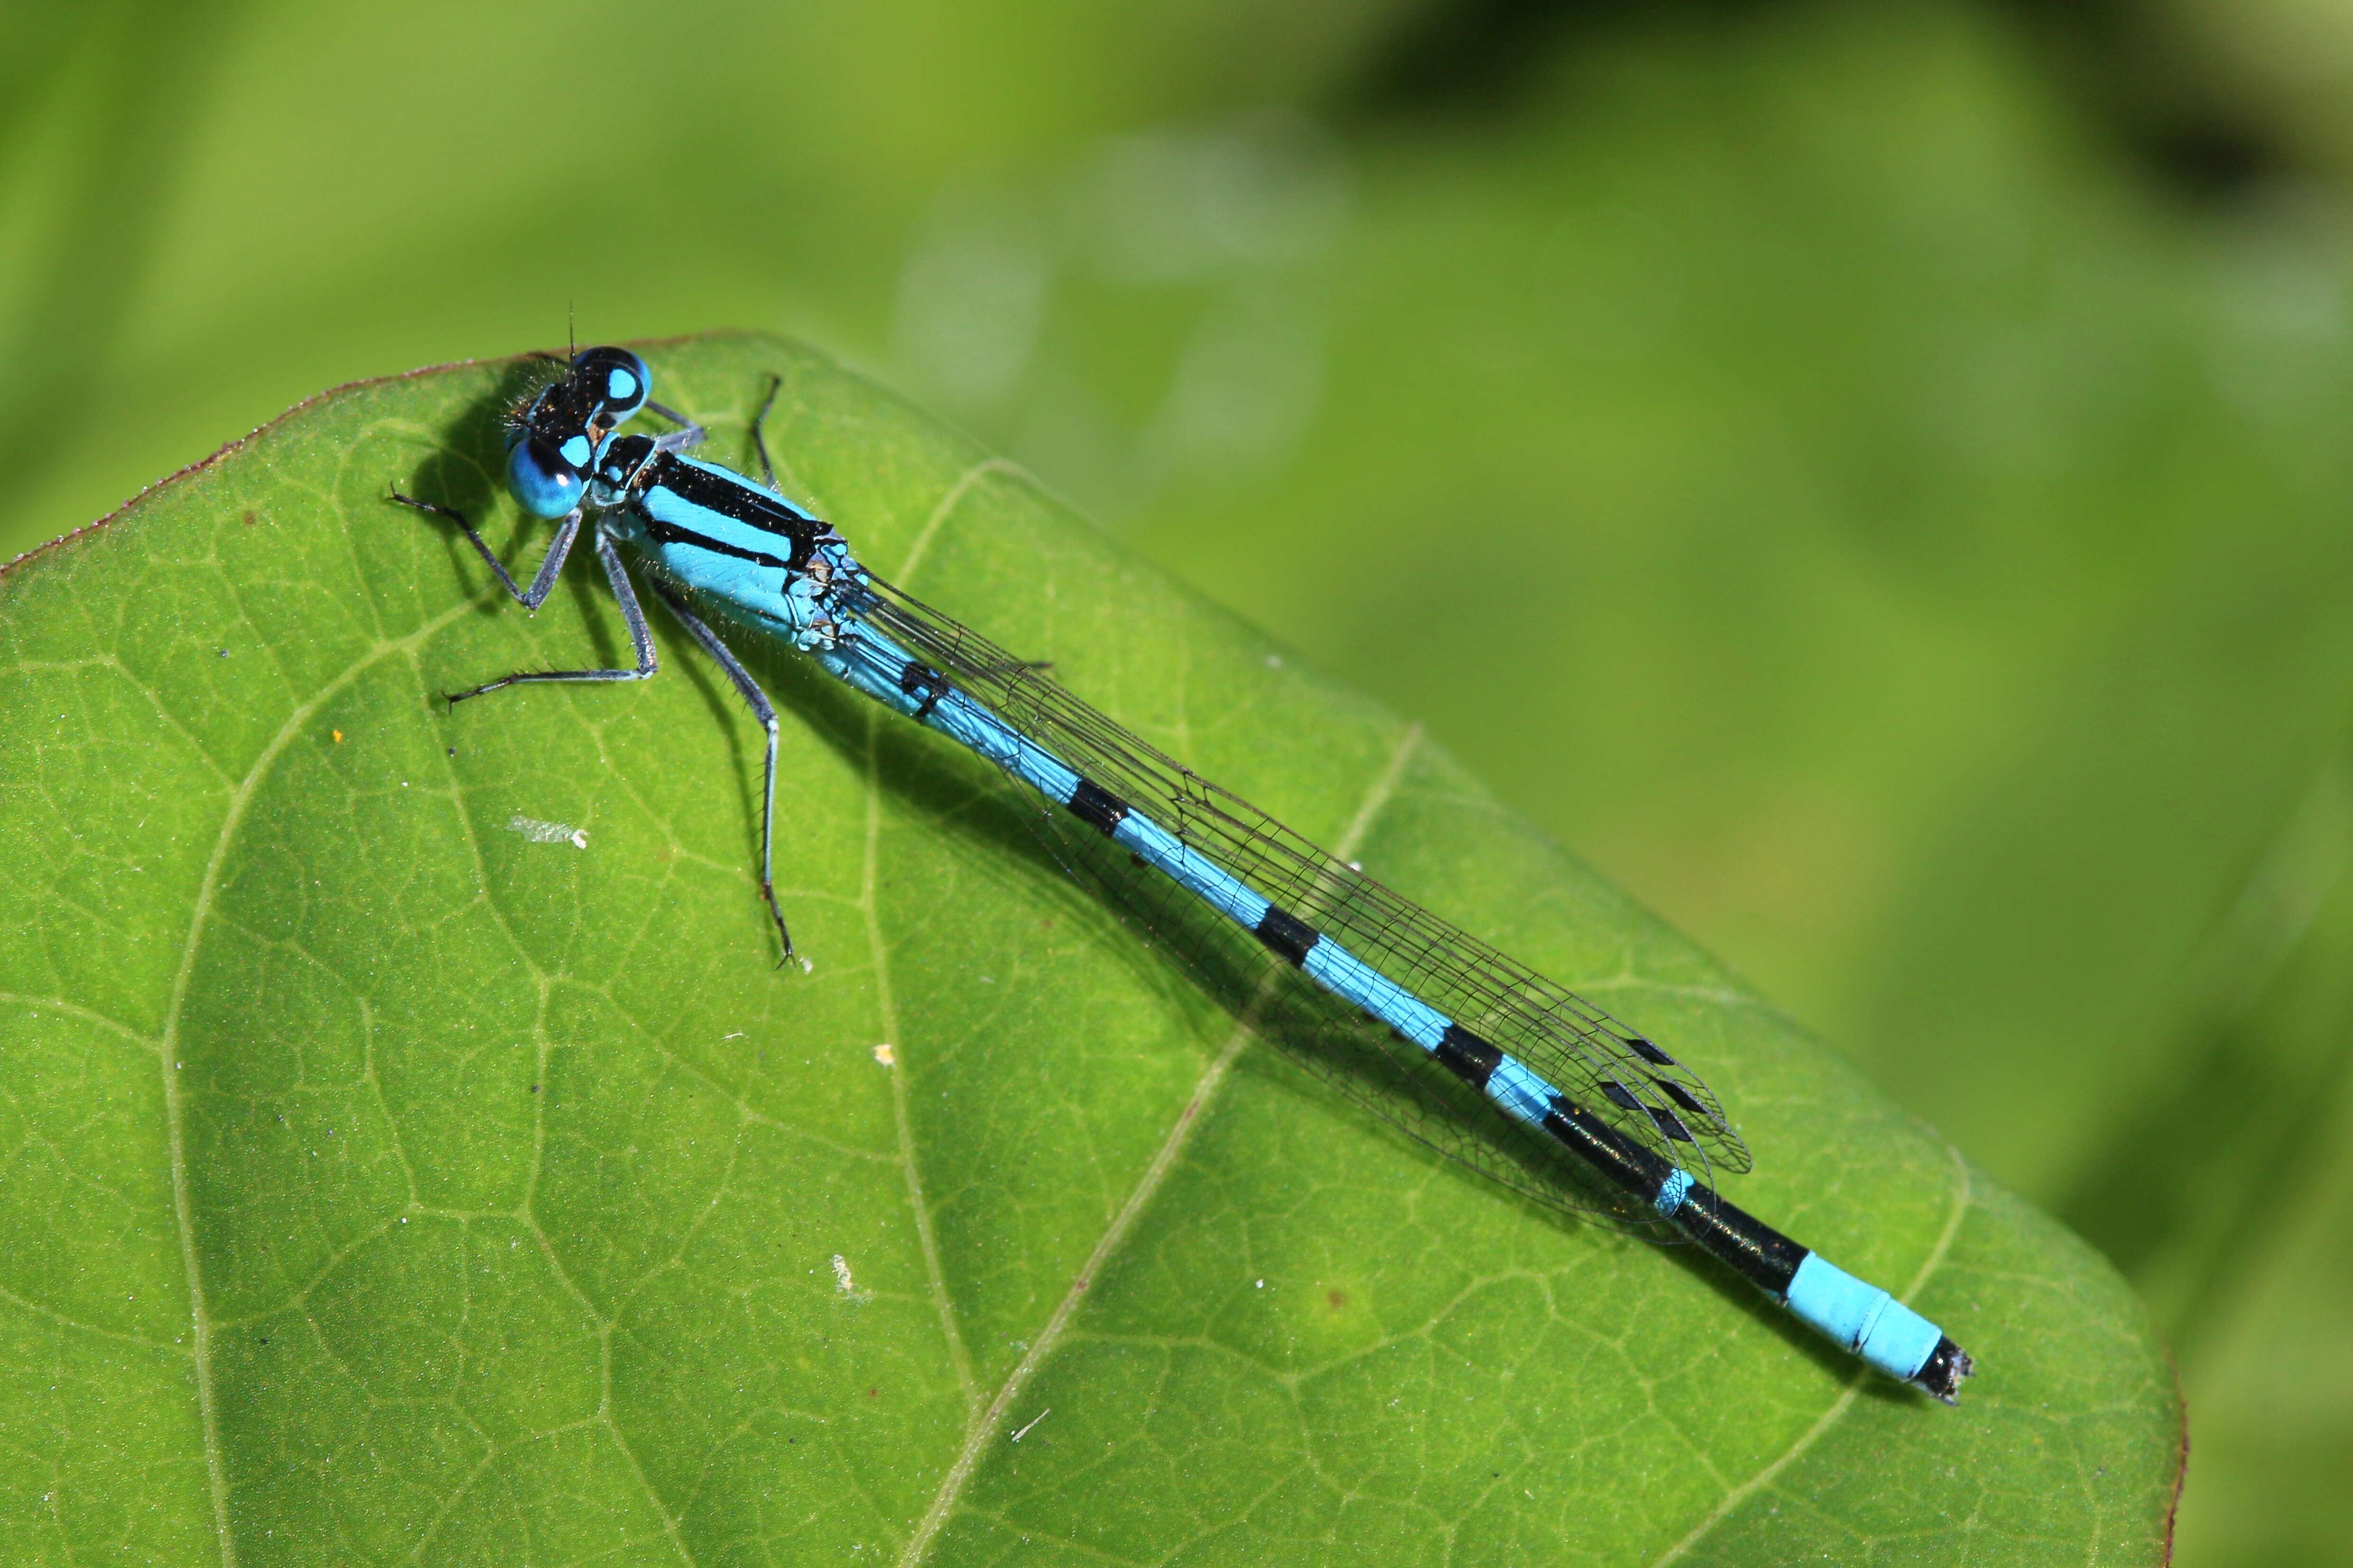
column 1448, row 1039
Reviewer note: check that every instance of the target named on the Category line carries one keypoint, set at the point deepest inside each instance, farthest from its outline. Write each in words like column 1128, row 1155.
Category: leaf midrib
column 1164, row 1160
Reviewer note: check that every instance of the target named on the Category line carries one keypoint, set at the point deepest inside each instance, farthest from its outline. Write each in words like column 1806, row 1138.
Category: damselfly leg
column 543, row 581
column 766, row 713
column 640, row 639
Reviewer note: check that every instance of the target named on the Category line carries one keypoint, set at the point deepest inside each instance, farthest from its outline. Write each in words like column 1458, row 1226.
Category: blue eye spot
column 621, row 375
column 542, row 481
column 574, row 451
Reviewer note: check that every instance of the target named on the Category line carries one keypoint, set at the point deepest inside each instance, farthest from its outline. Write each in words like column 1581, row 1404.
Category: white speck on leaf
column 534, row 831
column 886, row 1055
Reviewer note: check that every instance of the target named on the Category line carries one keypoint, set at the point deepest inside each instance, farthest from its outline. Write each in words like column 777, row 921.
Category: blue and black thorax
column 735, row 543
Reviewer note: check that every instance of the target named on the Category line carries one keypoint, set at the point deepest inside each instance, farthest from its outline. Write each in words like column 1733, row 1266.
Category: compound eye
column 618, row 378
column 542, row 481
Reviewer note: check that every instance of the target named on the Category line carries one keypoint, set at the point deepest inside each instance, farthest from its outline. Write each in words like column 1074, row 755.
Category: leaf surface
column 412, row 1154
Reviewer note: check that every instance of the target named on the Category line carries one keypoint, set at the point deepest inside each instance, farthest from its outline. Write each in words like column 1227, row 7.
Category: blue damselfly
column 1451, row 1040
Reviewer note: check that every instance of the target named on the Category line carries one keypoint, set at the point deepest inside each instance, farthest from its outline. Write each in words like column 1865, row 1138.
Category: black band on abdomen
column 1466, row 1055
column 1758, row 1253
column 920, row 681
column 1097, row 807
column 1613, row 1155
column 1286, row 935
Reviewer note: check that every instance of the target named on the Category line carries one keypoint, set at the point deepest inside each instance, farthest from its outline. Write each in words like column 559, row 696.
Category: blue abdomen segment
column 1351, row 979
column 1520, row 1093
column 887, row 673
column 1862, row 1317
column 1197, row 873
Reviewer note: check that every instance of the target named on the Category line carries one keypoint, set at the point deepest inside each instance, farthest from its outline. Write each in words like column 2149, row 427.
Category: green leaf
column 392, row 1178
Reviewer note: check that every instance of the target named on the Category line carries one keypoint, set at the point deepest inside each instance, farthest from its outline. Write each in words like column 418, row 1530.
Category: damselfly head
column 553, row 438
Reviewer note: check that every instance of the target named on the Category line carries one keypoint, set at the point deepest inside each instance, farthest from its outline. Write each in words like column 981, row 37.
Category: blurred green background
column 1870, row 477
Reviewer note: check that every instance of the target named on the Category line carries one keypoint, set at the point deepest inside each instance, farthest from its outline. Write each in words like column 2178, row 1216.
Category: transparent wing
column 1611, row 1068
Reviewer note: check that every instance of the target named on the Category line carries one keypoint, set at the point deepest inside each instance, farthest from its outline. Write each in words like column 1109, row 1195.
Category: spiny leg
column 639, row 637
column 767, row 714
column 551, row 563
column 688, row 434
column 760, row 441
